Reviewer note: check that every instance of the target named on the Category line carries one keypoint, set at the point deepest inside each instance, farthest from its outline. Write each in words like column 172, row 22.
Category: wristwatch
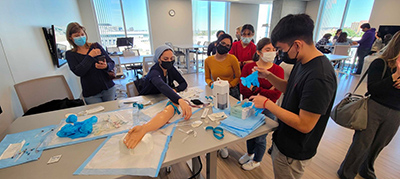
column 254, row 88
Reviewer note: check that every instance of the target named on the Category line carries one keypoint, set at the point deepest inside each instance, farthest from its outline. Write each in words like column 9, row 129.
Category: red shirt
column 243, row 54
column 265, row 85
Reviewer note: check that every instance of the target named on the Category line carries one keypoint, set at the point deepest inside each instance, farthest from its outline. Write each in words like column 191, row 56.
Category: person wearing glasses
column 161, row 77
column 263, row 58
column 245, row 48
column 226, row 67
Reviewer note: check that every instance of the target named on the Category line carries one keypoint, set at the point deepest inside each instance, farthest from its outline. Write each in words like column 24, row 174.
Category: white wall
column 281, row 8
column 241, row 14
column 89, row 20
column 312, row 9
column 385, row 12
column 164, row 28
column 25, row 48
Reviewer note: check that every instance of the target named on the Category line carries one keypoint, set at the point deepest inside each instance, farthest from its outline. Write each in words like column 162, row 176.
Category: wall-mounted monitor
column 57, row 44
column 124, row 41
column 387, row 29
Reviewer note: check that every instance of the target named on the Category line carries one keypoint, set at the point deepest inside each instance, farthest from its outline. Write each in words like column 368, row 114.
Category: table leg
column 197, row 61
column 211, row 165
column 187, row 60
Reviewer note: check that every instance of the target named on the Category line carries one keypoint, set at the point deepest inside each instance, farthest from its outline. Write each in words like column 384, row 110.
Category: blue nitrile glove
column 252, row 79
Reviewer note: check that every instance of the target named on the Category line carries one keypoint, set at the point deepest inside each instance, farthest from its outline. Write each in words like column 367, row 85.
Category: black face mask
column 285, row 56
column 167, row 65
column 222, row 49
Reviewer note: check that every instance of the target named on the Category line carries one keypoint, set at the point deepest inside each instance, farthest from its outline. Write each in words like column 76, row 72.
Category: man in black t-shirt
column 309, row 96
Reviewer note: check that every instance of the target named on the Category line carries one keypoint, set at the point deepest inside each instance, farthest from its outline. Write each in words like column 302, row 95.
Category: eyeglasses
column 225, row 45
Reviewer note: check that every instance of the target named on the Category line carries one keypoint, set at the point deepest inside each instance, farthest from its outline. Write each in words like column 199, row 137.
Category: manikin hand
column 134, row 136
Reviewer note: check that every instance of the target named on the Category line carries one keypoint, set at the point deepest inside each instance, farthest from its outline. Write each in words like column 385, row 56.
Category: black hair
column 247, row 26
column 342, row 37
column 387, row 38
column 219, row 32
column 293, row 27
column 365, row 25
column 260, row 45
column 224, row 36
column 327, row 36
column 337, row 31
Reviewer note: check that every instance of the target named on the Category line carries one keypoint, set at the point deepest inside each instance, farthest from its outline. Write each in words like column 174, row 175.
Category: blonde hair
column 392, row 51
column 239, row 28
column 72, row 28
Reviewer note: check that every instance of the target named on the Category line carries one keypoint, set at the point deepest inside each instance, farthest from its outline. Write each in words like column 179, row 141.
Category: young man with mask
column 365, row 45
column 245, row 48
column 161, row 76
column 309, row 96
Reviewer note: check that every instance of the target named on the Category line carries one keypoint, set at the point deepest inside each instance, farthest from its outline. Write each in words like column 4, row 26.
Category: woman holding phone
column 92, row 64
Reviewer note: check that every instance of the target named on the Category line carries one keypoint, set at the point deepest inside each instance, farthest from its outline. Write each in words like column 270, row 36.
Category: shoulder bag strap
column 366, row 72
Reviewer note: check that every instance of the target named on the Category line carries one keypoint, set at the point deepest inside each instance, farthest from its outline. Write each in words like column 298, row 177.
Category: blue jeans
column 258, row 144
column 103, row 96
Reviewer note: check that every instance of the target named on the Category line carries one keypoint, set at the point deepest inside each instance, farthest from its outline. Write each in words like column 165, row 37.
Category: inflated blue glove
column 252, row 79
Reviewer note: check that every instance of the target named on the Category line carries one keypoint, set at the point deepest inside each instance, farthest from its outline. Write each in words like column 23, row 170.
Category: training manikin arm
column 136, row 134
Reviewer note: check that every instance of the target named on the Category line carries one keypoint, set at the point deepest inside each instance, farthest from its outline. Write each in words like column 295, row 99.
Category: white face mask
column 268, row 56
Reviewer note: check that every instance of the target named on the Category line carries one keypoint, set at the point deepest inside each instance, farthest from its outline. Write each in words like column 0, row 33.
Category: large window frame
column 323, row 4
column 210, row 32
column 108, row 38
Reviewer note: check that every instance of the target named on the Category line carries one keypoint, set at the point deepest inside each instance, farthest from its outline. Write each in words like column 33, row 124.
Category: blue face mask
column 246, row 40
column 80, row 41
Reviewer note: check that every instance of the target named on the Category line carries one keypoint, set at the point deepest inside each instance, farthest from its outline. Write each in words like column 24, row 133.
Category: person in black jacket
column 212, row 48
column 161, row 77
column 91, row 63
column 383, row 115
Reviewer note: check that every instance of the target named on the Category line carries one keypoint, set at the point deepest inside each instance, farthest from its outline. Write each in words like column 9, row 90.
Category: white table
column 187, row 48
column 336, row 59
column 74, row 155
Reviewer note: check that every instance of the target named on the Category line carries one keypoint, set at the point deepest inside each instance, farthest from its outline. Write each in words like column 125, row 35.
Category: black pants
column 361, row 54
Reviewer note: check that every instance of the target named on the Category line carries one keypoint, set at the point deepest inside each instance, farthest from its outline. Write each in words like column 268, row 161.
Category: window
column 123, row 18
column 343, row 14
column 208, row 18
column 264, row 21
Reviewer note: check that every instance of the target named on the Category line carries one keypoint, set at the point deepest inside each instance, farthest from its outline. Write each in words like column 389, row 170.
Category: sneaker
column 250, row 165
column 245, row 158
column 224, row 153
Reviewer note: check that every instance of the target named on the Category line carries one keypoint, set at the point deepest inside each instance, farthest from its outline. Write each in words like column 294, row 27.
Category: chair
column 131, row 89
column 136, row 67
column 341, row 50
column 41, row 90
column 119, row 73
column 177, row 52
column 147, row 64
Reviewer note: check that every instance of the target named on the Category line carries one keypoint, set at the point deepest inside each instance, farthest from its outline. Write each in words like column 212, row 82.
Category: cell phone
column 196, row 102
column 101, row 58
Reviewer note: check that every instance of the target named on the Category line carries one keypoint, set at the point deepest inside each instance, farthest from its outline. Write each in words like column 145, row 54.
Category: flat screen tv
column 387, row 29
column 57, row 44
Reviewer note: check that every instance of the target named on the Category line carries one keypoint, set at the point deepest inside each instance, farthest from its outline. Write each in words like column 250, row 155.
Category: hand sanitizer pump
column 221, row 94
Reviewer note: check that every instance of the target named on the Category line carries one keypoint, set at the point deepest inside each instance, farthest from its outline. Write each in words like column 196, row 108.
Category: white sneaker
column 245, row 158
column 250, row 165
column 224, row 153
